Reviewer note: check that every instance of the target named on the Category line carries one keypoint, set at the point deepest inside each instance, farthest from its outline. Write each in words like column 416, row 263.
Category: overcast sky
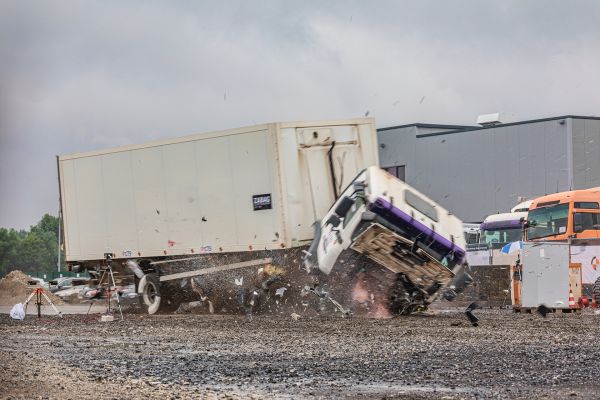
column 83, row 75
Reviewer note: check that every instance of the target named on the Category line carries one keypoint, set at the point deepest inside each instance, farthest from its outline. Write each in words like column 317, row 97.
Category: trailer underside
column 271, row 281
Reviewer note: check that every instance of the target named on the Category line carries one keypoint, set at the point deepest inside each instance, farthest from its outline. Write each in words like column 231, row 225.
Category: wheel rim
column 150, row 293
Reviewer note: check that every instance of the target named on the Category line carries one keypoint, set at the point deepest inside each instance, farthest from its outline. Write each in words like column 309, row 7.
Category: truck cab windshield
column 497, row 237
column 548, row 221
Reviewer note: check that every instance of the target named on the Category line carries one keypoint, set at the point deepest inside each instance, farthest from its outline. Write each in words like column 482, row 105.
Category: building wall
column 586, row 153
column 479, row 172
column 396, row 146
column 399, row 144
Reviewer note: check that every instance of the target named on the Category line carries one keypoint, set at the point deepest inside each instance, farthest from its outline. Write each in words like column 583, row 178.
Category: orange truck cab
column 556, row 217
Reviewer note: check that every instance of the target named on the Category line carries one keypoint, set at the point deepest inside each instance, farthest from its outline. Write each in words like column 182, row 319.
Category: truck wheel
column 402, row 298
column 596, row 291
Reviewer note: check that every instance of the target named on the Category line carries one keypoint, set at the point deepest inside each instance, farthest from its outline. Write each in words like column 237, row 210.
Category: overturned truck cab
column 400, row 229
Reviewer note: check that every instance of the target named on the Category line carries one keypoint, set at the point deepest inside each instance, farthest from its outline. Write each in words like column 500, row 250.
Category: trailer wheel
column 596, row 291
column 150, row 288
column 153, row 297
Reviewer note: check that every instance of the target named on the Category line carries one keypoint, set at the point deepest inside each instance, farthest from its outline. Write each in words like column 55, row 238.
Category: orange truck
column 561, row 228
column 566, row 215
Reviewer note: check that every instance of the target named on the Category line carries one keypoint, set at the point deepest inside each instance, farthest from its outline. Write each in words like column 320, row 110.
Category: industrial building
column 480, row 170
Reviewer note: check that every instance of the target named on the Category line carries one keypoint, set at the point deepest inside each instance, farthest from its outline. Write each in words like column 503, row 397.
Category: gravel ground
column 211, row 356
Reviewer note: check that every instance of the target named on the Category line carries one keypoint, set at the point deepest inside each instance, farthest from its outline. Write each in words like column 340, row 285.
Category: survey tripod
column 39, row 297
column 107, row 273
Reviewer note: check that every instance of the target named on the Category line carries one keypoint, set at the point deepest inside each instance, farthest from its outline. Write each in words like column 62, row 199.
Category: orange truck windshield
column 548, row 221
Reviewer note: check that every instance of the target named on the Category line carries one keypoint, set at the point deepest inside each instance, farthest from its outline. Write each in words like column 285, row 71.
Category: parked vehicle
column 495, row 232
column 96, row 293
column 39, row 281
column 57, row 284
column 71, row 289
column 472, row 234
column 572, row 218
column 68, row 289
column 522, row 206
column 560, row 216
column 500, row 229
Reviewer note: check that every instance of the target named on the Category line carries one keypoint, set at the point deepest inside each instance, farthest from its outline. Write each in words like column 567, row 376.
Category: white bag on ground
column 17, row 312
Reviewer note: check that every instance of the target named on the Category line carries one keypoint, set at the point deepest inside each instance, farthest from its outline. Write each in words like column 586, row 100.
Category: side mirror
column 334, row 220
column 344, row 206
column 577, row 222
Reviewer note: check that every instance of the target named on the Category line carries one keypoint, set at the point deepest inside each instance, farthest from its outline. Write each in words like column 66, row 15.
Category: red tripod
column 39, row 296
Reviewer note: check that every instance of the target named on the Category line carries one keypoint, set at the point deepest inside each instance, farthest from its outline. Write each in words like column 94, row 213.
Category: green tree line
column 33, row 251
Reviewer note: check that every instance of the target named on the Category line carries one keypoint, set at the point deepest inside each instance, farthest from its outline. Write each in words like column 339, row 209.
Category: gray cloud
column 77, row 76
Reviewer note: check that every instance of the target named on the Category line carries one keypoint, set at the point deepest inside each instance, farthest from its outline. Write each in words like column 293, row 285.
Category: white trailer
column 547, row 278
column 559, row 275
column 237, row 190
column 241, row 190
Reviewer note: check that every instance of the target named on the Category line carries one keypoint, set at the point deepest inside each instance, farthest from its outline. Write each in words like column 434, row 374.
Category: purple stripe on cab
column 383, row 204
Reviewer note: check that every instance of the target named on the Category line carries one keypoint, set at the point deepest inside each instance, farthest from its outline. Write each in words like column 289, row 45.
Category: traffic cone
column 571, row 299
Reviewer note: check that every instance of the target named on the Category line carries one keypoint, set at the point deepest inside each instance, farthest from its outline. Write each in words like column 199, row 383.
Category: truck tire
column 596, row 291
column 151, row 295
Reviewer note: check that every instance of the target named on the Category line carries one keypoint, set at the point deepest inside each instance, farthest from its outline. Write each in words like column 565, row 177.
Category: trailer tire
column 153, row 297
column 150, row 289
column 596, row 291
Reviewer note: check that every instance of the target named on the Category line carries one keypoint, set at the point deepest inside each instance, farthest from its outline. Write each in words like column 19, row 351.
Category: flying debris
column 469, row 313
column 323, row 294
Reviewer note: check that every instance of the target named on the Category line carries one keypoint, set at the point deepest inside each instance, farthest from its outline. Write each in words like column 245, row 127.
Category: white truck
column 400, row 229
column 495, row 232
column 214, row 212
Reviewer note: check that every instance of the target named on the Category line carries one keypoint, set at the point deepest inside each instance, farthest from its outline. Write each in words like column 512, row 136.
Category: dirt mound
column 15, row 289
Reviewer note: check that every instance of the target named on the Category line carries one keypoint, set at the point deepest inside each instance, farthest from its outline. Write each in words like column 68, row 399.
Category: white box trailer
column 258, row 187
column 226, row 200
column 559, row 275
column 547, row 276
